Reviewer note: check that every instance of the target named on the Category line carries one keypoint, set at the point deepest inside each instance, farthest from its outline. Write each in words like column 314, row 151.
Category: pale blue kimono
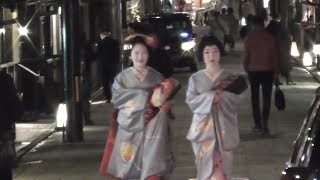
column 210, row 123
column 139, row 150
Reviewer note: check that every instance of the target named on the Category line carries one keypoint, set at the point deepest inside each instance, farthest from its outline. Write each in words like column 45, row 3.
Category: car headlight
column 184, row 35
column 186, row 46
column 127, row 47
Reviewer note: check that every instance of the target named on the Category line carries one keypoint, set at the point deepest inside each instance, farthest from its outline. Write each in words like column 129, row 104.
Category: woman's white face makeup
column 211, row 55
column 139, row 55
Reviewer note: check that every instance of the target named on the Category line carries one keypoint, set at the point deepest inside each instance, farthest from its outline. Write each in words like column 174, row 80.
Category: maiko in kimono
column 139, row 145
column 213, row 96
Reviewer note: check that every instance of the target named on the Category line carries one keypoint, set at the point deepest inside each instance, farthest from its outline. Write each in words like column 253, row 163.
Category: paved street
column 257, row 158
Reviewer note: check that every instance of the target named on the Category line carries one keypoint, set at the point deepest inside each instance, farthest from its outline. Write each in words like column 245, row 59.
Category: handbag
column 279, row 99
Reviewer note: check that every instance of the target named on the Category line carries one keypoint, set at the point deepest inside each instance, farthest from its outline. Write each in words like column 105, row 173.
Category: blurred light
column 59, row 10
column 97, row 102
column 184, row 35
column 23, row 31
column 297, row 177
column 316, row 49
column 307, row 60
column 186, row 46
column 35, row 162
column 25, row 143
column 2, row 31
column 294, row 50
column 62, row 115
column 127, row 47
column 283, row 172
column 302, row 158
column 243, row 21
column 265, row 3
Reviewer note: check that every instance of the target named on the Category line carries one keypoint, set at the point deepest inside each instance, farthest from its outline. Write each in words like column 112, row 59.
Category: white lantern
column 62, row 115
column 316, row 49
column 294, row 50
column 307, row 59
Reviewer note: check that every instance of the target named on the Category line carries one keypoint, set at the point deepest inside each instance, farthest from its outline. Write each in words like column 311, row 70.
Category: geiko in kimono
column 138, row 144
column 214, row 130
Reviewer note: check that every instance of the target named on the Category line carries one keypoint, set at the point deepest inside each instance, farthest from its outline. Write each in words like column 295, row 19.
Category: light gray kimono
column 139, row 150
column 211, row 122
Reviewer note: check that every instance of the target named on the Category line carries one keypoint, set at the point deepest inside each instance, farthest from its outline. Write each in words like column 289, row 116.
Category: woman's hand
column 158, row 98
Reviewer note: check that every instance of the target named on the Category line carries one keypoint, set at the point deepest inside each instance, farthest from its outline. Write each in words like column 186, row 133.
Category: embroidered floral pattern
column 203, row 125
column 129, row 104
column 205, row 148
column 127, row 151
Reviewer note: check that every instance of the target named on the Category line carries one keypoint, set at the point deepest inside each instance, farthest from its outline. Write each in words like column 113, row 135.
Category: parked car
column 175, row 36
column 304, row 162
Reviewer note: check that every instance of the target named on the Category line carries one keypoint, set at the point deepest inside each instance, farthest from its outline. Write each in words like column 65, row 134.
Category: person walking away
column 108, row 55
column 244, row 30
column 285, row 66
column 248, row 8
column 139, row 142
column 10, row 112
column 214, row 131
column 218, row 28
column 261, row 61
column 233, row 24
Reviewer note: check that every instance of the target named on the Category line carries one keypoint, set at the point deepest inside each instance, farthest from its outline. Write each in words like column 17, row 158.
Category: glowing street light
column 316, row 51
column 2, row 31
column 265, row 3
column 59, row 10
column 243, row 21
column 23, row 31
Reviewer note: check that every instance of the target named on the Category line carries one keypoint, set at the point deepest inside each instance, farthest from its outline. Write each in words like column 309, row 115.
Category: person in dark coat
column 159, row 57
column 261, row 62
column 244, row 30
column 108, row 55
column 10, row 112
column 160, row 61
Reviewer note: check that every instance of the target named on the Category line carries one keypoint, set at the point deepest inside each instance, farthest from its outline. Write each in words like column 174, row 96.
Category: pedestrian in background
column 108, row 55
column 233, row 24
column 244, row 30
column 10, row 112
column 261, row 62
column 283, row 42
column 214, row 132
column 160, row 60
column 218, row 28
column 139, row 141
